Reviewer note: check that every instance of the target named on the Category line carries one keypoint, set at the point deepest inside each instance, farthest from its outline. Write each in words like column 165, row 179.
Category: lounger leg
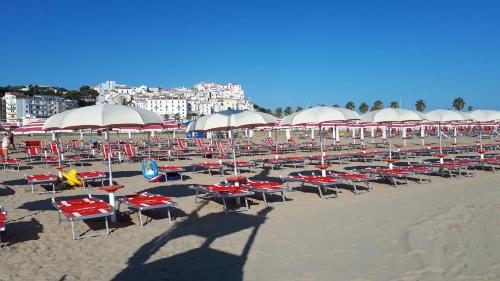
column 355, row 187
column 169, row 216
column 283, row 196
column 140, row 218
column 320, row 192
column 224, row 203
column 338, row 193
column 264, row 197
column 73, row 229
column 368, row 186
column 107, row 225
column 246, row 204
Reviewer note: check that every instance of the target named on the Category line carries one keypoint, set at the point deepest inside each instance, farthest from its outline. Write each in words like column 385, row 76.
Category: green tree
column 458, row 103
column 335, row 105
column 394, row 104
column 278, row 112
column 299, row 108
column 378, row 104
column 288, row 110
column 363, row 107
column 350, row 105
column 420, row 105
column 470, row 108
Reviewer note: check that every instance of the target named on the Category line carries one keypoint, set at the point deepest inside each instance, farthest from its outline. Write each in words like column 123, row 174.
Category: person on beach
column 5, row 145
column 11, row 140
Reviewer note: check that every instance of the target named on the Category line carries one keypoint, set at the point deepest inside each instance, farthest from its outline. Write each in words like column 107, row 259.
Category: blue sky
column 282, row 52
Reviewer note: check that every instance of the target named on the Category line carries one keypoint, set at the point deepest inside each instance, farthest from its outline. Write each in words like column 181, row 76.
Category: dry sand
column 447, row 230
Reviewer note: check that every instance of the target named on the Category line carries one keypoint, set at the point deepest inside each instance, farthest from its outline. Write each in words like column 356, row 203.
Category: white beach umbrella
column 229, row 120
column 390, row 115
column 443, row 116
column 319, row 115
column 106, row 116
column 484, row 115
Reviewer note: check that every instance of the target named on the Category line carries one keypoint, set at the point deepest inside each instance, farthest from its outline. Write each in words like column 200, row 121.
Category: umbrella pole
column 323, row 171
column 440, row 138
column 390, row 142
column 234, row 157
column 480, row 141
column 109, row 158
column 58, row 143
column 276, row 142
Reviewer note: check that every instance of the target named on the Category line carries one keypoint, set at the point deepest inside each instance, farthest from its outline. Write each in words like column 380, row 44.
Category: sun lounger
column 321, row 183
column 83, row 209
column 147, row 201
column 241, row 164
column 389, row 174
column 171, row 172
column 353, row 179
column 85, row 177
column 266, row 187
column 40, row 179
column 224, row 192
column 295, row 161
column 209, row 166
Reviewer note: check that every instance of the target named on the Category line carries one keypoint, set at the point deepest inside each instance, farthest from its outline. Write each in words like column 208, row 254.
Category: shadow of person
column 202, row 263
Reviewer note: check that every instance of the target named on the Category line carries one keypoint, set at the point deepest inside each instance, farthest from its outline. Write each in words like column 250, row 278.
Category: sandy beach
column 446, row 230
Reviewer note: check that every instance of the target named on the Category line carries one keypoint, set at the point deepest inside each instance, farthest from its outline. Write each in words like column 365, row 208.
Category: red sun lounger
column 147, row 201
column 241, row 164
column 83, row 209
column 266, row 187
column 224, row 192
column 41, row 179
column 171, row 172
column 352, row 179
column 321, row 183
column 389, row 174
column 209, row 166
column 91, row 176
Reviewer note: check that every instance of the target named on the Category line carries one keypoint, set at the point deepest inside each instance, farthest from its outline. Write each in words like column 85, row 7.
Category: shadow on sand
column 203, row 263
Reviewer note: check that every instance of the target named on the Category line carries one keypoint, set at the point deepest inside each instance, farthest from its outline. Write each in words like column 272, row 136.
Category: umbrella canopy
column 230, row 119
column 319, row 115
column 443, row 116
column 389, row 115
column 102, row 116
column 485, row 115
column 35, row 127
column 106, row 116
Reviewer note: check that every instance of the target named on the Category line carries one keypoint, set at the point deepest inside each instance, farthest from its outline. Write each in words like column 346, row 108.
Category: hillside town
column 20, row 106
column 178, row 103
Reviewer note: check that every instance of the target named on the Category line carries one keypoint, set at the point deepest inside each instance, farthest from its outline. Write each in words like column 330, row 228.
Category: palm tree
column 420, row 105
column 288, row 110
column 458, row 104
column 378, row 104
column 299, row 108
column 363, row 107
column 470, row 108
column 335, row 105
column 350, row 105
column 278, row 112
column 394, row 104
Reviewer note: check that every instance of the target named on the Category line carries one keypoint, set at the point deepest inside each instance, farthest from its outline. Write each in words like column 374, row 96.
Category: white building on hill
column 202, row 98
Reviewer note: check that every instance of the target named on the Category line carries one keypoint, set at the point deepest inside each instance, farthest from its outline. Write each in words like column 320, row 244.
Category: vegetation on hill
column 85, row 95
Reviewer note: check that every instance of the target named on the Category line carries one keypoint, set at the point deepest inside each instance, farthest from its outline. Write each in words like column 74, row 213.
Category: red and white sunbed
column 83, row 209
column 85, row 177
column 353, row 179
column 321, row 183
column 171, row 171
column 224, row 192
column 147, row 201
column 267, row 187
column 210, row 166
column 392, row 175
column 40, row 179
